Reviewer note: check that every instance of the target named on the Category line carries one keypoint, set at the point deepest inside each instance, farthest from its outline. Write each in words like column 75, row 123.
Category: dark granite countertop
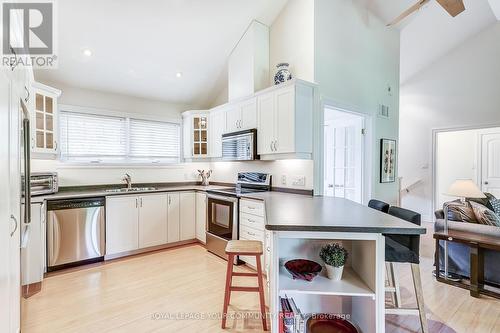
column 291, row 212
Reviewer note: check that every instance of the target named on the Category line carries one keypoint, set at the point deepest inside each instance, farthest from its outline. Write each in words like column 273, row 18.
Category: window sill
column 104, row 165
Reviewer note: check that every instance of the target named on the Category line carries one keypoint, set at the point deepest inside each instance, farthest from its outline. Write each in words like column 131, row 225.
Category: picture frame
column 388, row 160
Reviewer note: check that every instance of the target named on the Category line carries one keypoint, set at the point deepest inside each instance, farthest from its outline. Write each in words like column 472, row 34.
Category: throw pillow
column 460, row 211
column 485, row 215
column 496, row 206
column 484, row 201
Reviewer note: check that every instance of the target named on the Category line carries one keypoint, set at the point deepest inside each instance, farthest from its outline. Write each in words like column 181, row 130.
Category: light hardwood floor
column 132, row 295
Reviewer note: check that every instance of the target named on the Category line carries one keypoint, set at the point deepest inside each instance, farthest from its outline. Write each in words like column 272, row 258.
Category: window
column 111, row 139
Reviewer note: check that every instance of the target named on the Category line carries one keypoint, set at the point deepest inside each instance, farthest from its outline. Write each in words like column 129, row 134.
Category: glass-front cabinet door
column 44, row 120
column 200, row 136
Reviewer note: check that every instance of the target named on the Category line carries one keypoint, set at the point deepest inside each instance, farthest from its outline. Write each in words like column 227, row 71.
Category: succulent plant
column 334, row 254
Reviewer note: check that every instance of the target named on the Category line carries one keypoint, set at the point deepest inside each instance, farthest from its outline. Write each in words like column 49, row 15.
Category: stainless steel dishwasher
column 75, row 232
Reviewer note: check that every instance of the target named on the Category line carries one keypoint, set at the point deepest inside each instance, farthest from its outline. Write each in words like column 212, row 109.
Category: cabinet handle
column 55, row 145
column 251, row 233
column 26, row 99
column 275, row 145
column 136, row 204
column 271, row 145
column 15, row 221
column 251, row 221
column 141, row 202
column 250, row 207
column 169, row 200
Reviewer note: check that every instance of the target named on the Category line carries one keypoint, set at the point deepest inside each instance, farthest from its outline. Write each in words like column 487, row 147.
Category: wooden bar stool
column 247, row 248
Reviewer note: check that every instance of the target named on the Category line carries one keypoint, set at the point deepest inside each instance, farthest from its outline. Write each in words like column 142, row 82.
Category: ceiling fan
column 453, row 7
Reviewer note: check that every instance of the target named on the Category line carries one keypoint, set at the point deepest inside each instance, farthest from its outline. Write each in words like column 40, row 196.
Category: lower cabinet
column 152, row 220
column 252, row 227
column 174, row 217
column 137, row 222
column 33, row 255
column 122, row 224
column 201, row 217
column 188, row 215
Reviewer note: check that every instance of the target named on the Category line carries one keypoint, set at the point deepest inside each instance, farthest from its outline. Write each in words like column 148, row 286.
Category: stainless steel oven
column 222, row 222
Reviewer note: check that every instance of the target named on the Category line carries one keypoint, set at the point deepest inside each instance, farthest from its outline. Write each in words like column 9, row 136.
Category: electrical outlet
column 299, row 181
column 283, row 180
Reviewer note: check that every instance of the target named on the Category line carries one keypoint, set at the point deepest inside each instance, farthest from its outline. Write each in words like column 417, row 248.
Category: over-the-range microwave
column 240, row 146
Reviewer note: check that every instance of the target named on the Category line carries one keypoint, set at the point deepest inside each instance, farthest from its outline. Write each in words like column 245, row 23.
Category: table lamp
column 462, row 188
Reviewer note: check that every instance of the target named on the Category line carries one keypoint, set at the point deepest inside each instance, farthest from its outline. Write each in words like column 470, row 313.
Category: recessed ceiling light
column 178, row 74
column 87, row 52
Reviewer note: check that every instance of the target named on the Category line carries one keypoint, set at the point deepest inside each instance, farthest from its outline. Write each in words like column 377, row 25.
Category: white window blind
column 101, row 139
column 154, row 139
column 85, row 136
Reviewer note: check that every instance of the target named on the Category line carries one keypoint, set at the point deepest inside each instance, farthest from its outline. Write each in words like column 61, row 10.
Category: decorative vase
column 283, row 74
column 334, row 273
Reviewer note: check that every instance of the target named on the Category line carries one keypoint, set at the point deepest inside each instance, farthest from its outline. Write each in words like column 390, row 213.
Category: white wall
column 356, row 59
column 292, row 40
column 89, row 175
column 460, row 89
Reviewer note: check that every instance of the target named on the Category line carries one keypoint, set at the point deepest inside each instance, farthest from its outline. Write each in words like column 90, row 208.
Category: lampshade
column 465, row 188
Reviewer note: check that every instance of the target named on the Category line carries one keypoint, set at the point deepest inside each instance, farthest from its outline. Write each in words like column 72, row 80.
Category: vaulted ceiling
column 431, row 33
column 138, row 47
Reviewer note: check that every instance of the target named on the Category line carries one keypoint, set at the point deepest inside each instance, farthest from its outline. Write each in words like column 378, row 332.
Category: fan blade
column 407, row 12
column 453, row 7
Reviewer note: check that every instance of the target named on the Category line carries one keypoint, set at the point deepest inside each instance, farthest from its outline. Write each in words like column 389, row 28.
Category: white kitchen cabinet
column 201, row 216
column 45, row 119
column 173, row 233
column 122, row 224
column 33, row 255
column 196, row 134
column 152, row 220
column 187, row 216
column 217, row 128
column 242, row 116
column 252, row 226
column 285, row 121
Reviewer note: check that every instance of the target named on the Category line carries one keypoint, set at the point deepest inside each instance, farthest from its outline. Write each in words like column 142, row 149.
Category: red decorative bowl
column 303, row 269
column 330, row 324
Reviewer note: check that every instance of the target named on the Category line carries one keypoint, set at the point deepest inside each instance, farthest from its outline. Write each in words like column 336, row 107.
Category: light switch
column 299, row 181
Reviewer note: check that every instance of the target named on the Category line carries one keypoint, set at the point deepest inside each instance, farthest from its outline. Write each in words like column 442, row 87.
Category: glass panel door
column 200, row 135
column 220, row 218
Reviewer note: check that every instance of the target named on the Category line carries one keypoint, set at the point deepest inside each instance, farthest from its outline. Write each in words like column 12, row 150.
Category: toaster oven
column 44, row 183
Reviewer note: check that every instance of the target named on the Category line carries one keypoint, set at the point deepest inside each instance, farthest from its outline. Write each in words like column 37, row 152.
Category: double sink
column 131, row 189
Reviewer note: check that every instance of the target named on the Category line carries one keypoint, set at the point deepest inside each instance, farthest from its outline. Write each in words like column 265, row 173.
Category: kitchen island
column 298, row 226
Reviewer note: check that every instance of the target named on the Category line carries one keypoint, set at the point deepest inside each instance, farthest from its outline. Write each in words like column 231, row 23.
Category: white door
column 343, row 155
column 173, row 233
column 233, row 118
column 248, row 112
column 285, row 120
column 187, row 215
column 152, row 220
column 266, row 119
column 122, row 224
column 490, row 169
column 217, row 128
column 201, row 216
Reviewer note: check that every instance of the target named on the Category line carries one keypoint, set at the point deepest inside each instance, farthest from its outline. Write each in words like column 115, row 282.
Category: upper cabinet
column 217, row 121
column 241, row 116
column 196, row 134
column 285, row 121
column 282, row 115
column 44, row 119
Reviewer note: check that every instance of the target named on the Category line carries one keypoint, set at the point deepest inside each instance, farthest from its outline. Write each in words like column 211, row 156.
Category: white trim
column 46, row 88
column 106, row 112
column 435, row 132
column 366, row 150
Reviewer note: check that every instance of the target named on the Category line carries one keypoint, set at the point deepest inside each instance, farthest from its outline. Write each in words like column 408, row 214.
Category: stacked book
column 291, row 320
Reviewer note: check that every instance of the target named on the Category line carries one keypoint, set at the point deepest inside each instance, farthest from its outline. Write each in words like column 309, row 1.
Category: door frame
column 366, row 149
column 435, row 132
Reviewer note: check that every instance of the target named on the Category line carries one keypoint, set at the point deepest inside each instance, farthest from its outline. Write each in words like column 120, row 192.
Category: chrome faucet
column 126, row 178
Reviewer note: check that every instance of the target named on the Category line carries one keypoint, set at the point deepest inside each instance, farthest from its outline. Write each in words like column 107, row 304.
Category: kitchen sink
column 132, row 189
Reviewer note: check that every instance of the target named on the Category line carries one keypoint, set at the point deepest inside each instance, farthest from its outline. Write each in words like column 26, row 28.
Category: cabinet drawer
column 252, row 207
column 251, row 234
column 252, row 221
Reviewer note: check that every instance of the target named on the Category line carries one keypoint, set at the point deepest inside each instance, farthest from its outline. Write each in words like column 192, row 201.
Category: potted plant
column 334, row 255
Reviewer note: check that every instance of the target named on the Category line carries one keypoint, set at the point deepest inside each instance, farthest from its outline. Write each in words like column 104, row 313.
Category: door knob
column 486, row 183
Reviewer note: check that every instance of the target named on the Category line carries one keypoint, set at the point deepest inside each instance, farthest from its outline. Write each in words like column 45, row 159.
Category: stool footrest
column 248, row 289
column 245, row 274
